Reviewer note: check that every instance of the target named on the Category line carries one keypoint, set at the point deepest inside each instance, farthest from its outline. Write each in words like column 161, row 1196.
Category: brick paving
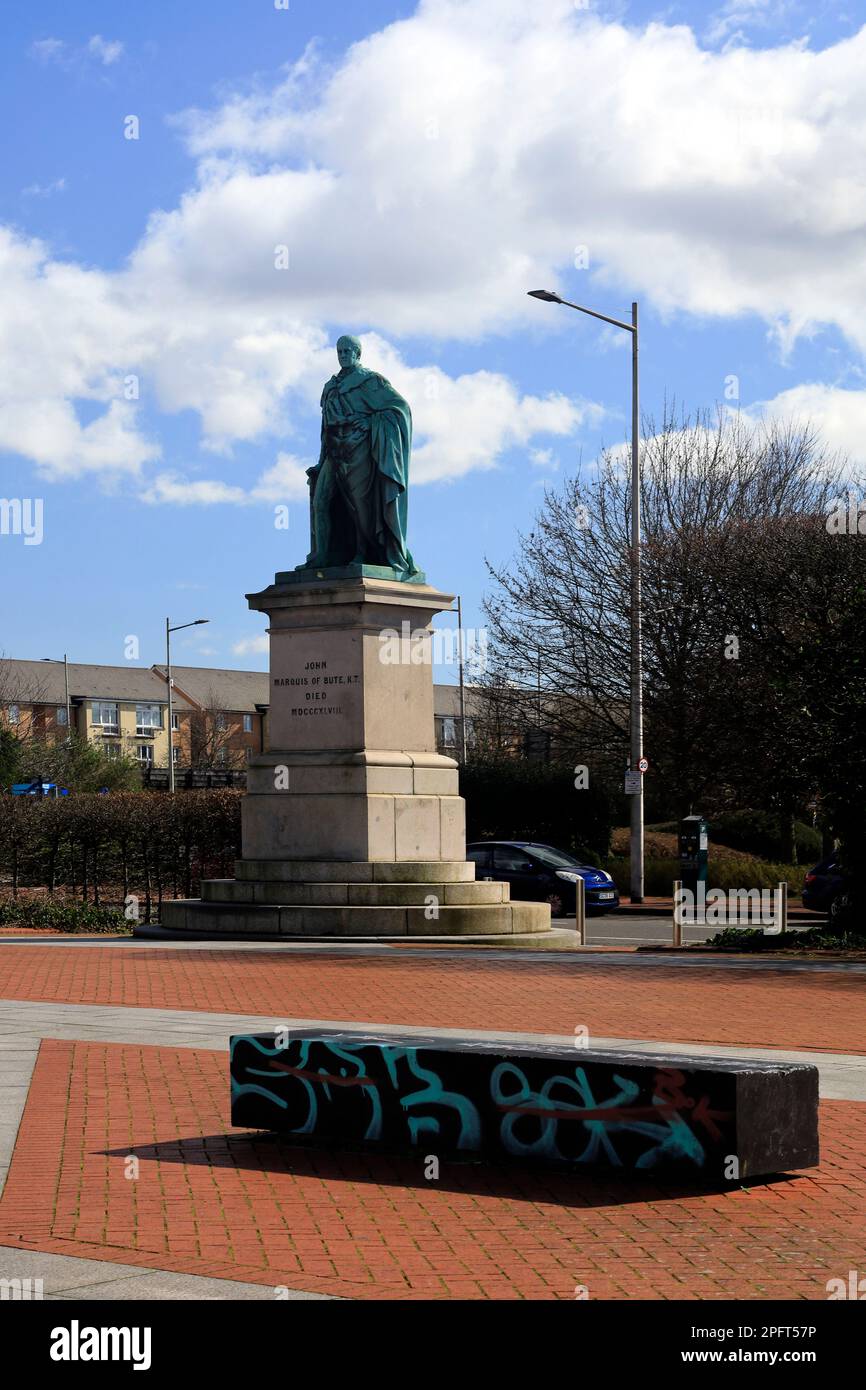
column 214, row 1201
column 704, row 1004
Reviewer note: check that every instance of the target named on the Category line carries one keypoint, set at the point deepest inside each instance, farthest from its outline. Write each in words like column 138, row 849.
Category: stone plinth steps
column 328, row 898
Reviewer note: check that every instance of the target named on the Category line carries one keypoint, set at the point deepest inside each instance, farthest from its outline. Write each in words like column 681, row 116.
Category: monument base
column 304, row 899
column 352, row 825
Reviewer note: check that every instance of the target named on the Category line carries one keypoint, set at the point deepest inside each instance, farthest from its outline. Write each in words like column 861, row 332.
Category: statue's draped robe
column 359, row 487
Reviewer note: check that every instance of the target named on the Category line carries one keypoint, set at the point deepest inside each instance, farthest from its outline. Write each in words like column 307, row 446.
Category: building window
column 446, row 731
column 175, row 721
column 248, row 723
column 14, row 714
column 61, row 715
column 145, row 754
column 111, row 750
column 219, row 720
column 104, row 716
column 148, row 718
column 175, row 755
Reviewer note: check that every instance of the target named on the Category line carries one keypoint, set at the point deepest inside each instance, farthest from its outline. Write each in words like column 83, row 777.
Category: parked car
column 540, row 873
column 38, row 788
column 823, row 886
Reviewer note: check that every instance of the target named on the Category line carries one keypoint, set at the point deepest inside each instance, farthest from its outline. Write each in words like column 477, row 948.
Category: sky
column 197, row 199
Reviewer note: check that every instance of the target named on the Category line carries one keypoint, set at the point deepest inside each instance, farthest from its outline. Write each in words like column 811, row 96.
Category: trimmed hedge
column 62, row 917
column 146, row 844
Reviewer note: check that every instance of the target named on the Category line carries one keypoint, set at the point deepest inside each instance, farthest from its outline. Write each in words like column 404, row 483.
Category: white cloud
column 106, row 50
column 252, row 645
column 422, row 184
column 48, row 50
column 183, row 492
column 44, row 190
column 471, row 147
column 545, row 459
column 285, row 482
column 839, row 414
column 732, row 20
column 67, row 55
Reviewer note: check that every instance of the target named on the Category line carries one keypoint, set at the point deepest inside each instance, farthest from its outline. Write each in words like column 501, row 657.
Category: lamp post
column 168, row 631
column 56, row 661
column 462, row 685
column 635, row 682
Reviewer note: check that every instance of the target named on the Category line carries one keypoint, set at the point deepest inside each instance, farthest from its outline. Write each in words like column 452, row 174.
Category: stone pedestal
column 352, row 823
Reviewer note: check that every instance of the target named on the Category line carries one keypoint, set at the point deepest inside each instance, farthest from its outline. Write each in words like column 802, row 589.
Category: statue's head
column 348, row 351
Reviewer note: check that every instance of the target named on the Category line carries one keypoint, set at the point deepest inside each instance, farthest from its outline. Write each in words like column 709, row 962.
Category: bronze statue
column 358, row 489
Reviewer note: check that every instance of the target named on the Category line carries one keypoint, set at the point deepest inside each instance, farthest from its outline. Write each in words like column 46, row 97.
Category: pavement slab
column 208, row 1200
column 109, row 1053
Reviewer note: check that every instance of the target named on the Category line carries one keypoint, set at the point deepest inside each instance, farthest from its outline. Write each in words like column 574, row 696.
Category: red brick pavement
column 763, row 1007
column 210, row 1200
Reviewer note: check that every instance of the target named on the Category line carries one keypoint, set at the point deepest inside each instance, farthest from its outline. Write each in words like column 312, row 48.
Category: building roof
column 215, row 688
column 446, row 700
column 42, row 683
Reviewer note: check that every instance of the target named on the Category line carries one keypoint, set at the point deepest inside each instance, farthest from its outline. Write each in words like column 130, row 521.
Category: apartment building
column 122, row 708
column 219, row 715
column 226, row 722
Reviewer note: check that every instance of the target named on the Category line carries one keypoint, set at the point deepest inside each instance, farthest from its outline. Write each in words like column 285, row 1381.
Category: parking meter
column 693, row 852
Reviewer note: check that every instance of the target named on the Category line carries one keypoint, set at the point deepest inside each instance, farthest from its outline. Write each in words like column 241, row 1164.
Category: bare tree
column 559, row 615
column 211, row 731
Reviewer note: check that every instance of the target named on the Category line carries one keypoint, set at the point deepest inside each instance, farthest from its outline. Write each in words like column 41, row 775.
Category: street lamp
column 636, row 699
column 56, row 661
column 168, row 631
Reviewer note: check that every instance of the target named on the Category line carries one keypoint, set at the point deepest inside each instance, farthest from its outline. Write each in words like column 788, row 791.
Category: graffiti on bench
column 554, row 1108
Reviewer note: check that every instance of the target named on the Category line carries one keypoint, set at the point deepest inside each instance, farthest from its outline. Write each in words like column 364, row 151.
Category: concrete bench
column 713, row 1118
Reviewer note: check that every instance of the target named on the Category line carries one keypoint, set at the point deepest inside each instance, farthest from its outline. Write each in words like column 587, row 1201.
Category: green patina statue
column 358, row 489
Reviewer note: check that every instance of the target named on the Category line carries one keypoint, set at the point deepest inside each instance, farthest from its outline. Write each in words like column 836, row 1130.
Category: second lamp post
column 635, row 682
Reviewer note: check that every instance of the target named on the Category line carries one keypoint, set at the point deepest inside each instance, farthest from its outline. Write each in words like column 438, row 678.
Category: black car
column 540, row 873
column 823, row 886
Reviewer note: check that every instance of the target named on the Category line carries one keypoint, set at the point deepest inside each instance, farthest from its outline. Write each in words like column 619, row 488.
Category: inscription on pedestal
column 317, row 691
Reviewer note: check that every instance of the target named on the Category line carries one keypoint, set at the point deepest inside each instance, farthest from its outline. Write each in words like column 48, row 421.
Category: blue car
column 540, row 873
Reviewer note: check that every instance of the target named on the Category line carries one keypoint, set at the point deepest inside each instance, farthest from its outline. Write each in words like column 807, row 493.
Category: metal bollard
column 580, row 910
column 677, row 914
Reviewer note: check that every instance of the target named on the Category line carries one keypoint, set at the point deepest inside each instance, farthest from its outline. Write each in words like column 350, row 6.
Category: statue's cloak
column 363, row 393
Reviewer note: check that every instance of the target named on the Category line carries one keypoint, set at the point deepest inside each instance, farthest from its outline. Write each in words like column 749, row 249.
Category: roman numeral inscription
column 317, row 690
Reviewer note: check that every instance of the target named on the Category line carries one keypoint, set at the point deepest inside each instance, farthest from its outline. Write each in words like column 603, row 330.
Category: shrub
column 818, row 938
column 660, row 875
column 62, row 917
column 511, row 800
column 76, row 764
column 762, row 833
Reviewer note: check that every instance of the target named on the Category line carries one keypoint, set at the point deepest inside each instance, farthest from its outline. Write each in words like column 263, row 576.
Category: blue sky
column 424, row 166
